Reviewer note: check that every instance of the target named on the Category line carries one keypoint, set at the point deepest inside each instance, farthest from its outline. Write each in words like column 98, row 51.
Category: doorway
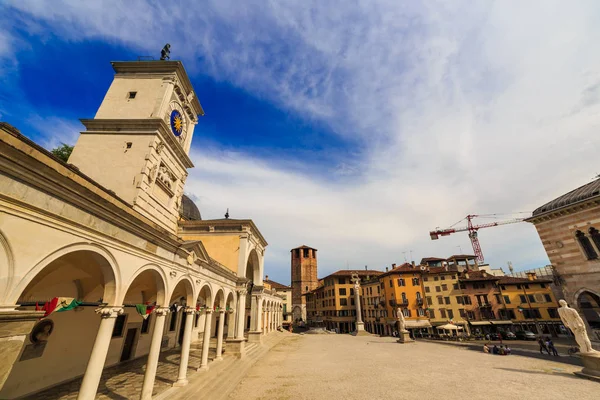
column 128, row 345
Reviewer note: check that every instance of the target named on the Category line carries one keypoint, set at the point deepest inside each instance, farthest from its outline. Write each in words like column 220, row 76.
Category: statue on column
column 570, row 317
column 356, row 281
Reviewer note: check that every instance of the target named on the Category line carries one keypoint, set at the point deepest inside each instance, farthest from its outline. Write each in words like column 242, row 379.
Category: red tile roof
column 477, row 276
column 462, row 256
column 350, row 272
column 304, row 247
column 508, row 280
column 276, row 285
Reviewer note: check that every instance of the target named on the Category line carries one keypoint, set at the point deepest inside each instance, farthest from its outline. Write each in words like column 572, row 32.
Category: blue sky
column 352, row 127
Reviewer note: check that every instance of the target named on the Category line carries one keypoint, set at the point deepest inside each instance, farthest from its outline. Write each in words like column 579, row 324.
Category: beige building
column 373, row 306
column 569, row 228
column 444, row 297
column 286, row 295
column 110, row 236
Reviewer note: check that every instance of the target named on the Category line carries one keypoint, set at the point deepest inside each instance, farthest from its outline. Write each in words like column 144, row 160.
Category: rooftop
column 508, row 280
column 276, row 285
column 582, row 193
column 474, row 276
column 304, row 247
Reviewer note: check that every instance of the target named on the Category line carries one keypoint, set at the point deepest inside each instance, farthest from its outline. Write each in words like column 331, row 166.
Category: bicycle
column 572, row 350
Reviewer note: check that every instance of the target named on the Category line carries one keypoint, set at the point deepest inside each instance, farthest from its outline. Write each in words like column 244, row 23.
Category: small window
column 131, row 95
column 129, row 144
column 427, row 289
column 507, row 299
column 586, row 245
column 119, row 325
column 146, row 324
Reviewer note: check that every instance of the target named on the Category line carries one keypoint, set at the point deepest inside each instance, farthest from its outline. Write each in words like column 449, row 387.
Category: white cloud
column 459, row 108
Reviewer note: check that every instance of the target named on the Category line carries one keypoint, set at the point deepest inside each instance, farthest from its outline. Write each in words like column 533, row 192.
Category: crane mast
column 472, row 229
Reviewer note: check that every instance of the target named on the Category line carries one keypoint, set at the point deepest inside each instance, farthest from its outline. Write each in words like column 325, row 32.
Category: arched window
column 595, row 237
column 585, row 243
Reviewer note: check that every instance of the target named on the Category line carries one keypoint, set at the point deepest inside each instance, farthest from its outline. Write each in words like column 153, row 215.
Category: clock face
column 176, row 123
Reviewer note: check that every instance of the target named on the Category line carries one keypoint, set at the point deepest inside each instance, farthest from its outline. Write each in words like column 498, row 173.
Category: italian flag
column 144, row 310
column 59, row 304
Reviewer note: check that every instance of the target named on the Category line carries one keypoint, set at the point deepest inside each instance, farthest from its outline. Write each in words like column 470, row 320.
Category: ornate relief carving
column 152, row 173
column 166, row 177
column 160, row 147
column 173, row 274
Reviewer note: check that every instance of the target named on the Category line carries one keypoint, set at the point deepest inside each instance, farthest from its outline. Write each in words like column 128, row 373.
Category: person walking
column 543, row 346
column 550, row 346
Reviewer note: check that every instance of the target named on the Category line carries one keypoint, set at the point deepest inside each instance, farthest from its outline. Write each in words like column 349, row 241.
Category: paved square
column 347, row 367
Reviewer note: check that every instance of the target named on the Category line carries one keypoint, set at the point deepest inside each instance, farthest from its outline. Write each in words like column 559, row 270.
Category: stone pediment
column 197, row 251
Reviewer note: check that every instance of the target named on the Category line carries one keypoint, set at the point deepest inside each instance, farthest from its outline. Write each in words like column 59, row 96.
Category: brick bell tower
column 304, row 278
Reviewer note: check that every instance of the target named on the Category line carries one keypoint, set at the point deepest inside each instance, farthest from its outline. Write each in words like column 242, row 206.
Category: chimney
column 266, row 277
column 393, row 266
column 531, row 276
column 386, row 268
column 365, row 267
column 413, row 264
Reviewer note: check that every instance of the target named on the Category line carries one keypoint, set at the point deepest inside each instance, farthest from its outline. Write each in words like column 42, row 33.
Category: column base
column 15, row 326
column 219, row 358
column 591, row 366
column 404, row 337
column 202, row 368
column 255, row 337
column 180, row 383
column 236, row 347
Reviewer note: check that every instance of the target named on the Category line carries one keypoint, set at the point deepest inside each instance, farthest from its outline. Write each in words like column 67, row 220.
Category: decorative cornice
column 143, row 126
column 110, row 312
column 560, row 212
column 187, row 227
column 161, row 67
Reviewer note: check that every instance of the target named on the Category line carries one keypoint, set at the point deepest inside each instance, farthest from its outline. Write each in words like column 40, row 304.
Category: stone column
column 360, row 326
column 256, row 332
column 93, row 372
column 185, row 347
column 206, row 341
column 220, row 335
column 241, row 313
column 231, row 318
column 152, row 362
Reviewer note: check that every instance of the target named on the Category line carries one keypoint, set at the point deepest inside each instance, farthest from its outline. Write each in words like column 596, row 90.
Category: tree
column 63, row 152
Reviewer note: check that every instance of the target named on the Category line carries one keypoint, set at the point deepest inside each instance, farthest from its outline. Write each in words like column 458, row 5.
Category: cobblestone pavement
column 371, row 367
column 124, row 381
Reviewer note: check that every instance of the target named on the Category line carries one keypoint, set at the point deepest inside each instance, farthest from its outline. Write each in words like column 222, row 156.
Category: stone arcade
column 113, row 229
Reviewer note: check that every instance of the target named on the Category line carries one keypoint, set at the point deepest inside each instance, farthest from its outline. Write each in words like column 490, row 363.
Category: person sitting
column 507, row 350
column 486, row 348
column 495, row 350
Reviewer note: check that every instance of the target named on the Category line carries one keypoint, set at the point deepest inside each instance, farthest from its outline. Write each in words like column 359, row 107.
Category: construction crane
column 472, row 229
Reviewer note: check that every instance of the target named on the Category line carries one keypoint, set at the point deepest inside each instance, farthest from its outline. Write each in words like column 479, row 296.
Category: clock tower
column 138, row 143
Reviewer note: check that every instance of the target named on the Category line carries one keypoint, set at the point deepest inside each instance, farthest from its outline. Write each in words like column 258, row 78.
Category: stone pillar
column 231, row 318
column 255, row 334
column 185, row 347
column 152, row 362
column 220, row 335
column 241, row 313
column 15, row 326
column 93, row 372
column 206, row 341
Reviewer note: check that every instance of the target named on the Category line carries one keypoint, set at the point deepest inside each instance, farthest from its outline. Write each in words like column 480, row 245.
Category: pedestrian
column 550, row 346
column 543, row 346
column 500, row 337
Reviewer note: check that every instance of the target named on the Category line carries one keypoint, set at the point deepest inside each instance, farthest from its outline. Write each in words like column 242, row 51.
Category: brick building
column 569, row 227
column 304, row 279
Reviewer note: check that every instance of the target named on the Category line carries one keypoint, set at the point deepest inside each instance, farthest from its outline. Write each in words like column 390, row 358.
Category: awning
column 501, row 322
column 475, row 323
column 449, row 327
column 417, row 324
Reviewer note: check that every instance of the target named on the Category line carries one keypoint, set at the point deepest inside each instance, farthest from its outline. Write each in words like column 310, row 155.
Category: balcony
column 420, row 301
column 403, row 302
column 485, row 305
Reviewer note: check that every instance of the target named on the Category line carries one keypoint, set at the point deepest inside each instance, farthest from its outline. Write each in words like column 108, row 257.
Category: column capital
column 189, row 310
column 208, row 310
column 242, row 292
column 221, row 311
column 161, row 311
column 110, row 311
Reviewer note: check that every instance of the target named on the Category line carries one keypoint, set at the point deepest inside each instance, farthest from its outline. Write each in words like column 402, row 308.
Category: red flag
column 50, row 306
column 37, row 307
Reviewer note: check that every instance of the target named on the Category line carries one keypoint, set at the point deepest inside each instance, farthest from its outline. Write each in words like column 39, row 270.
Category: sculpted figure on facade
column 570, row 317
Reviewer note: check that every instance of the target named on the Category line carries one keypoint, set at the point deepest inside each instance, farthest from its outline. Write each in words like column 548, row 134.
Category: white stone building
column 110, row 229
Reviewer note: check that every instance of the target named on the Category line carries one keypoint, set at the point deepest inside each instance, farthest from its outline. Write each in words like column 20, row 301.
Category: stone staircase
column 222, row 376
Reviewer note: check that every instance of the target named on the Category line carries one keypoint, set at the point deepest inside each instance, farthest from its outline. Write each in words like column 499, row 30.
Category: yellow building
column 531, row 305
column 286, row 293
column 373, row 308
column 402, row 287
column 444, row 297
